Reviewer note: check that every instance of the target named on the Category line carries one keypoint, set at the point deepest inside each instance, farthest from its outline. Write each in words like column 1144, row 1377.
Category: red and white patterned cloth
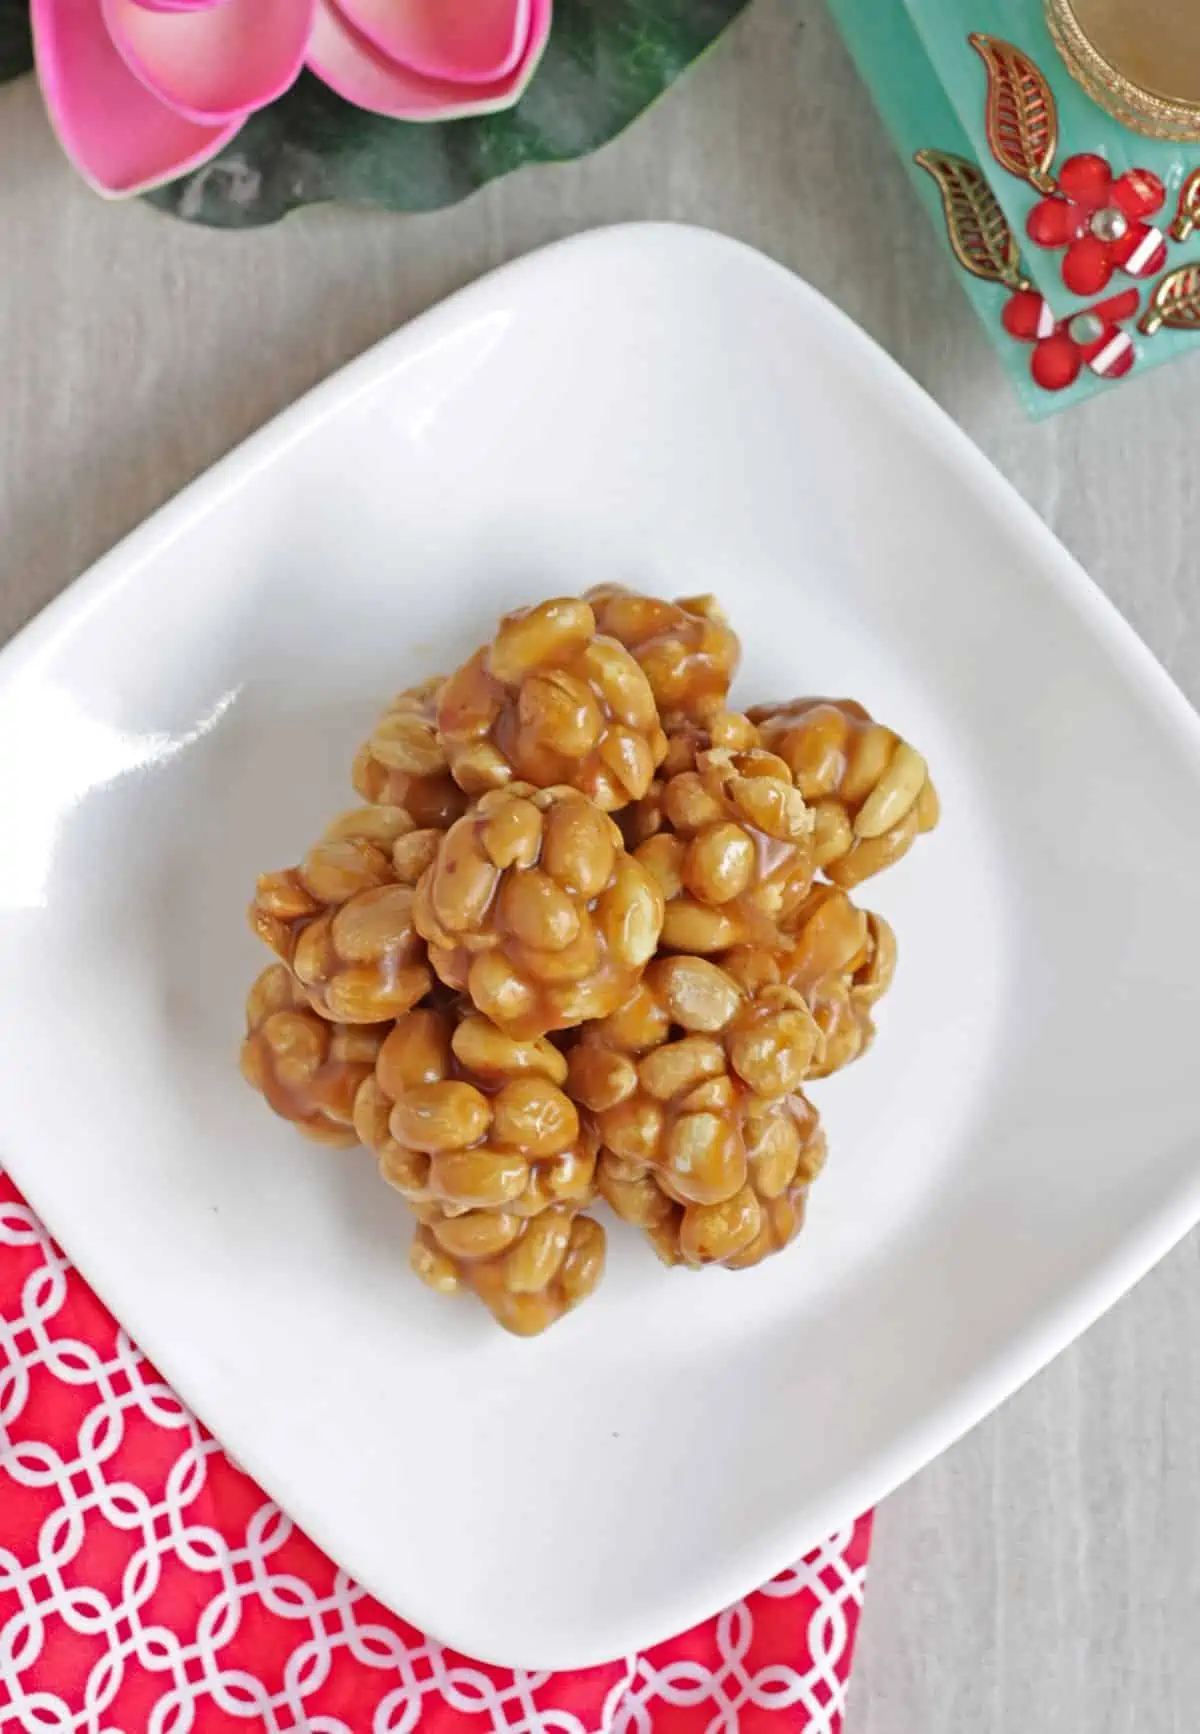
column 147, row 1586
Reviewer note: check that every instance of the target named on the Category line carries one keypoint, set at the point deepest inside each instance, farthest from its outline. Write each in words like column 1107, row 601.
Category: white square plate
column 664, row 408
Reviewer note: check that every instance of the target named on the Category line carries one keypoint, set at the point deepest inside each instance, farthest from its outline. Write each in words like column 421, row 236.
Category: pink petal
column 349, row 64
column 178, row 5
column 474, row 43
column 217, row 61
column 118, row 135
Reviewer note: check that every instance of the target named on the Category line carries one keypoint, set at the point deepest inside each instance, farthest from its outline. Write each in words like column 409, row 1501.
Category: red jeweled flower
column 1062, row 348
column 1100, row 220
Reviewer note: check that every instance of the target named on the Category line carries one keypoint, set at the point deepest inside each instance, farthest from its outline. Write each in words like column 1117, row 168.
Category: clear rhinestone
column 1085, row 328
column 1110, row 224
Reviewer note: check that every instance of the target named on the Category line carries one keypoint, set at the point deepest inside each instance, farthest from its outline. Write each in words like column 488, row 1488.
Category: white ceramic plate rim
column 1027, row 1350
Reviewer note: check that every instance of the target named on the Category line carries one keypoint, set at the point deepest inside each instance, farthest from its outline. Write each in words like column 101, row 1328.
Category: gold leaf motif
column 1175, row 302
column 1022, row 120
column 977, row 228
column 1187, row 212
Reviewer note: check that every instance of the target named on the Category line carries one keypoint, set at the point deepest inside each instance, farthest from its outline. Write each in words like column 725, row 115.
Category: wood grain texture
column 1044, row 1575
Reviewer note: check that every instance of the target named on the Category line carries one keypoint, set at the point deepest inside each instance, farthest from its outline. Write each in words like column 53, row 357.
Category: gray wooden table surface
column 1044, row 1575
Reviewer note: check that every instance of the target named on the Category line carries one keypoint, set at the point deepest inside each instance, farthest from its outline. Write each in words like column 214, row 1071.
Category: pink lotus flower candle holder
column 141, row 91
column 234, row 112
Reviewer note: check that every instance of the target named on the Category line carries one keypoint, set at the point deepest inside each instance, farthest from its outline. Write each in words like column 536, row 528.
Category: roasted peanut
column 480, row 1179
column 720, row 863
column 698, row 995
column 477, row 1234
column 534, row 1116
column 537, row 1257
column 713, row 1233
column 694, row 927
column 491, row 1054
column 678, row 1066
column 598, row 1079
column 705, row 1158
column 442, row 1116
column 774, row 1042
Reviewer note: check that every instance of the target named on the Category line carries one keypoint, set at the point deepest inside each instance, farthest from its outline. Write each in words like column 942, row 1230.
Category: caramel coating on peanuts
column 471, row 1122
column 403, row 763
column 728, row 837
column 343, row 919
column 536, row 1270
column 869, row 790
column 551, row 701
column 785, row 1151
column 533, row 907
column 473, row 1128
column 680, row 1078
column 687, row 650
column 309, row 1070
column 840, row 959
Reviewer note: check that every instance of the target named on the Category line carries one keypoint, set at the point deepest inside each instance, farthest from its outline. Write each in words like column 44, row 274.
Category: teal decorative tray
column 1077, row 238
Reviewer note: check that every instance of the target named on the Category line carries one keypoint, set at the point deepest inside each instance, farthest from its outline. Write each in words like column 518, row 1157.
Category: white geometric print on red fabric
column 148, row 1586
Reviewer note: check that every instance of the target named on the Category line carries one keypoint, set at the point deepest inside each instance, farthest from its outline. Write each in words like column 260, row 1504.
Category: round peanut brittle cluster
column 869, row 790
column 342, row 920
column 309, row 1070
column 695, row 1089
column 403, row 763
column 527, row 1279
column 533, row 907
column 473, row 1128
column 727, row 835
column 466, row 1117
column 840, row 959
column 552, row 700
column 785, row 1151
column 591, row 935
column 687, row 649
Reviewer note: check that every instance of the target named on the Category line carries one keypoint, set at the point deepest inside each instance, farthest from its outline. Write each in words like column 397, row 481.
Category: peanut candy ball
column 785, row 1151
column 528, row 1273
column 687, row 1108
column 310, row 1071
column 342, row 920
column 404, row 764
column 869, row 790
column 729, row 839
column 533, row 907
column 472, row 1127
column 472, row 1121
column 552, row 701
column 839, row 958
column 687, row 649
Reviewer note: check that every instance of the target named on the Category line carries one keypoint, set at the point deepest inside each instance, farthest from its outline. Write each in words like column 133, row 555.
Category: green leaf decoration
column 606, row 62
column 16, row 42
